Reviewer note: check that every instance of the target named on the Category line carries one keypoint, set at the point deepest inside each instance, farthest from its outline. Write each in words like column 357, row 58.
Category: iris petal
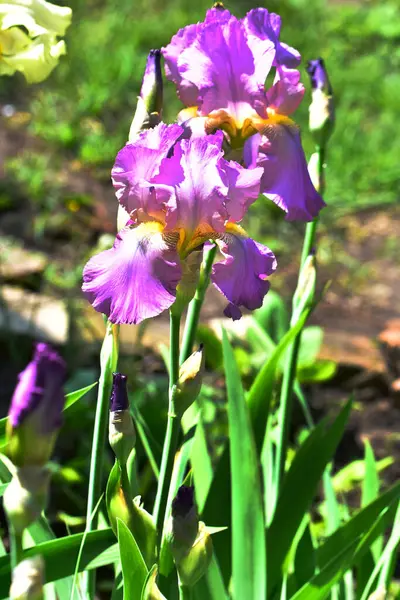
column 137, row 278
column 242, row 276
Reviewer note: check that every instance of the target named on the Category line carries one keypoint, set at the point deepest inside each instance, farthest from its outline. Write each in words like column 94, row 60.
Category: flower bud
column 151, row 590
column 189, row 381
column 194, row 565
column 35, row 413
column 305, row 291
column 121, row 434
column 149, row 107
column 322, row 114
column 27, row 580
column 184, row 523
column 26, row 496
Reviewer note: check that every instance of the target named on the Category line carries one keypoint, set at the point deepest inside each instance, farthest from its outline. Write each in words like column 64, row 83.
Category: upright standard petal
column 198, row 206
column 262, row 25
column 242, row 276
column 287, row 91
column 286, row 180
column 220, row 63
column 187, row 91
column 137, row 164
column 137, row 278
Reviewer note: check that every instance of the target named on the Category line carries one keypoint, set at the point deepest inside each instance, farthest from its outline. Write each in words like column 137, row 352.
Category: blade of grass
column 134, row 568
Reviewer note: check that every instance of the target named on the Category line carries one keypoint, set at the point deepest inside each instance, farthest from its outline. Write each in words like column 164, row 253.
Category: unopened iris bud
column 190, row 380
column 26, row 496
column 305, row 292
column 322, row 114
column 184, row 523
column 121, row 435
column 150, row 102
column 194, row 565
column 35, row 415
column 28, row 579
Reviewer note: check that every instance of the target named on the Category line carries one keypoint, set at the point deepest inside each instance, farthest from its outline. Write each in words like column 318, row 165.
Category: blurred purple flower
column 179, row 193
column 220, row 67
column 39, row 394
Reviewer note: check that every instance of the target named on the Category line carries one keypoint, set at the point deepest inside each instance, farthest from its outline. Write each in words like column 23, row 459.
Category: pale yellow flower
column 29, row 37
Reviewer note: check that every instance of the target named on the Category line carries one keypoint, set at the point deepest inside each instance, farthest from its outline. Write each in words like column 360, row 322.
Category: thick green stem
column 108, row 364
column 193, row 314
column 289, row 374
column 172, row 433
column 185, row 592
column 16, row 548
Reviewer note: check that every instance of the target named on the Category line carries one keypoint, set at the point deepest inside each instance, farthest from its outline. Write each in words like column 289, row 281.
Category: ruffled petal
column 187, row 91
column 137, row 164
column 243, row 189
column 242, row 276
column 223, row 68
column 286, row 180
column 137, row 278
column 199, row 200
column 261, row 25
column 287, row 92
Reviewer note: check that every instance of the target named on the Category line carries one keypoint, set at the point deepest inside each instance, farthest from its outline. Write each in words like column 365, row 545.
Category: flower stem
column 16, row 548
column 172, row 433
column 289, row 374
column 108, row 364
column 193, row 314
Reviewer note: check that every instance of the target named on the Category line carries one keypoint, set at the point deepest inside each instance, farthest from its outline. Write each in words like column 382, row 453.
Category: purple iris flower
column 219, row 67
column 178, row 193
column 39, row 396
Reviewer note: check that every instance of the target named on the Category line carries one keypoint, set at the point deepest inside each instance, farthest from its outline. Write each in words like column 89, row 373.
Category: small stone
column 17, row 263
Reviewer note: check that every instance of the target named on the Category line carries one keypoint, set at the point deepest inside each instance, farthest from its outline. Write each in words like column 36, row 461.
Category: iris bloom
column 179, row 193
column 219, row 67
column 29, row 31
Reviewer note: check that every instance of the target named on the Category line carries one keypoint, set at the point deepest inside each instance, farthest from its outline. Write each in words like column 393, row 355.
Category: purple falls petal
column 137, row 278
column 138, row 163
column 242, row 276
column 286, row 180
column 40, row 389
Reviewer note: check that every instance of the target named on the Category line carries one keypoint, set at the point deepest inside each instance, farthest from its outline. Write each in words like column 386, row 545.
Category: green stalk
column 16, row 548
column 185, row 592
column 193, row 314
column 108, row 364
column 289, row 374
column 173, row 429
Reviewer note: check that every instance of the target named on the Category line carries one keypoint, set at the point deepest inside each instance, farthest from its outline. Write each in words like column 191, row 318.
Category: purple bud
column 40, row 391
column 119, row 394
column 319, row 76
column 183, row 502
column 152, row 85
